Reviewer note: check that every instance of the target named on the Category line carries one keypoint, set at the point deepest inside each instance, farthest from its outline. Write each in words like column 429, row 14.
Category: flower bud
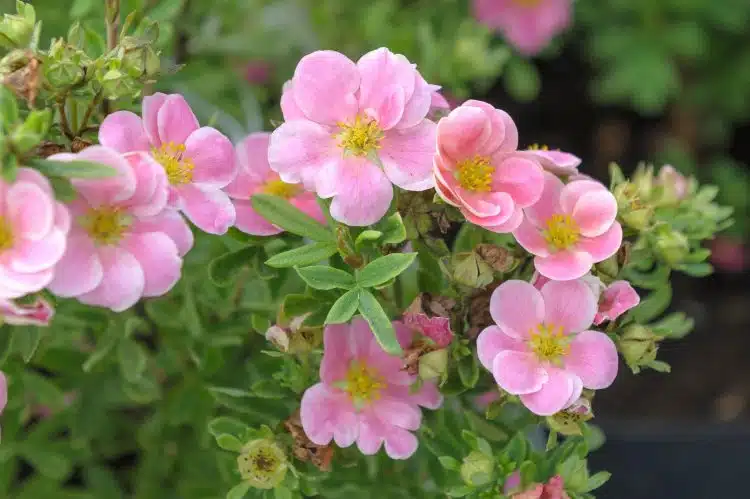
column 117, row 83
column 566, row 422
column 631, row 207
column 477, row 469
column 643, row 181
column 675, row 187
column 638, row 346
column 499, row 258
column 279, row 337
column 16, row 30
column 76, row 36
column 471, row 270
column 672, row 246
column 262, row 463
column 63, row 73
column 32, row 131
column 433, row 364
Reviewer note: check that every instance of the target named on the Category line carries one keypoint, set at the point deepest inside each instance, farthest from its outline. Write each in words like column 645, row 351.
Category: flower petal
column 105, row 191
column 556, row 162
column 213, row 157
column 518, row 373
column 35, row 256
column 152, row 185
column 564, row 265
column 522, row 178
column 123, row 131
column 529, row 236
column 122, row 284
column 79, row 271
column 398, row 412
column 595, row 212
column 602, row 247
column 400, row 443
column 569, row 304
column 336, row 353
column 491, row 341
column 383, row 75
column 462, row 133
column 175, row 120
column 250, row 222
column 209, row 209
column 171, row 223
column 324, row 86
column 554, row 395
column 30, row 210
column 593, row 358
column 299, row 149
column 517, row 307
column 158, row 257
column 422, row 100
column 252, row 157
column 326, row 414
column 549, row 202
column 406, row 155
column 151, row 105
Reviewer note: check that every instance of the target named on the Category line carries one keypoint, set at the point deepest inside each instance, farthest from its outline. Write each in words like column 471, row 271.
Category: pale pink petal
column 575, row 190
column 35, row 256
column 169, row 222
column 38, row 313
column 557, row 162
column 569, row 304
column 79, row 271
column 324, row 86
column 122, row 284
column 62, row 218
column 123, row 131
column 564, row 265
column 361, row 192
column 549, row 202
column 518, row 373
column 602, row 247
column 390, row 110
column 213, row 157
column 554, row 394
column 504, row 136
column 16, row 284
column 593, row 358
column 517, row 307
column 397, row 412
column 407, row 156
column 437, row 99
column 308, row 204
column 336, row 353
column 617, row 299
column 29, row 175
column 577, row 390
column 107, row 190
column 175, row 120
column 428, row 396
column 595, row 212
column 289, row 108
column 327, row 415
column 379, row 70
column 442, row 188
column 252, row 157
column 151, row 191
column 479, row 204
column 158, row 257
column 522, row 178
column 512, row 223
column 299, row 149
column 210, row 210
column 462, row 133
column 151, row 105
column 531, row 239
column 420, row 103
column 371, row 431
column 400, row 443
column 30, row 210
column 492, row 341
column 250, row 222
column 362, row 343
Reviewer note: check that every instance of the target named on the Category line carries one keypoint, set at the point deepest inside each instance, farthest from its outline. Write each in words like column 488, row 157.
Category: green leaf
column 62, row 188
column 393, row 229
column 653, row 305
column 25, row 341
column 228, row 391
column 697, row 269
column 366, row 236
column 521, row 79
column 132, row 359
column 379, row 322
column 72, row 169
column 344, row 308
column 468, row 371
column 459, row 491
column 238, row 491
column 282, row 493
column 674, row 326
column 229, row 442
column 384, row 269
column 597, row 480
column 321, row 277
column 226, row 425
column 222, row 270
column 295, row 305
column 48, row 463
column 280, row 212
column 449, row 463
column 660, row 366
column 305, row 255
column 8, row 108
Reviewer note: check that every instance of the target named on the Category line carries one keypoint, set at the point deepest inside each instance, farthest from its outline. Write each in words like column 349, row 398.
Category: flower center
column 475, row 174
column 549, row 343
column 363, row 384
column 281, row 189
column 537, row 147
column 6, row 235
column 361, row 137
column 178, row 167
column 106, row 225
column 562, row 232
column 527, row 3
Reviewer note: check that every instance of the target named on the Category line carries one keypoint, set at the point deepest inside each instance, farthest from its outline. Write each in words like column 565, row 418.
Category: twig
column 64, row 120
column 112, row 21
column 89, row 111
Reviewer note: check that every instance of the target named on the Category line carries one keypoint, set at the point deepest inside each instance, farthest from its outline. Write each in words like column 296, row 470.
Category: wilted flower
column 38, row 313
column 477, row 469
column 638, row 346
column 262, row 463
column 618, row 298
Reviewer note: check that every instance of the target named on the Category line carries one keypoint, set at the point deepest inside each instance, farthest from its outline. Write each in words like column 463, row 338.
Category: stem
column 64, row 120
column 112, row 21
column 89, row 111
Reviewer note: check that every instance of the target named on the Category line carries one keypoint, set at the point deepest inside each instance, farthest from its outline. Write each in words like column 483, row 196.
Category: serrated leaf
column 379, row 322
column 384, row 269
column 305, row 255
column 325, row 278
column 344, row 308
column 282, row 213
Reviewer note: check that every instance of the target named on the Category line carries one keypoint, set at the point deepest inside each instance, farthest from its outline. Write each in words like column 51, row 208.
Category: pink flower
column 729, row 254
column 39, row 313
column 198, row 161
column 674, row 182
column 512, row 482
column 123, row 244
column 483, row 400
column 364, row 396
column 255, row 176
column 437, row 101
column 258, row 72
column 352, row 130
column 570, row 228
column 528, row 25
column 33, row 229
column 555, row 161
column 553, row 489
column 617, row 299
column 541, row 348
column 438, row 329
column 478, row 170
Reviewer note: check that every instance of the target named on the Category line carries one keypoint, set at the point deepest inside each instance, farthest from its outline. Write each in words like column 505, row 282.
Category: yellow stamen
column 178, row 167
column 527, row 3
column 562, row 232
column 549, row 343
column 475, row 174
column 361, row 137
column 6, row 235
column 363, row 383
column 537, row 147
column 106, row 225
column 281, row 189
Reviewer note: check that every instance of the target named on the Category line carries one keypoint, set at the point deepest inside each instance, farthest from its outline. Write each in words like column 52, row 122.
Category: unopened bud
column 631, row 208
column 433, row 364
column 567, row 422
column 477, row 469
column 16, row 30
column 262, row 463
column 675, row 187
column 672, row 246
column 471, row 270
column 638, row 346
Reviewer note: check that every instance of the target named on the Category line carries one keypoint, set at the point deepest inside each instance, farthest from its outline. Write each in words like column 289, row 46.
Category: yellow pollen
column 363, row 384
column 475, row 174
column 361, row 137
column 549, row 343
column 6, row 235
column 562, row 232
column 527, row 3
column 281, row 189
column 105, row 225
column 537, row 147
column 178, row 167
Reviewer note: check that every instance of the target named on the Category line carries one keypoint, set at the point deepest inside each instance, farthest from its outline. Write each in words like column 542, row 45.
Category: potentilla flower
column 554, row 489
column 352, row 130
column 364, row 396
column 38, row 313
column 478, row 170
column 33, row 229
column 540, row 348
column 570, row 228
column 198, row 161
column 618, row 298
column 676, row 186
column 555, row 161
column 528, row 25
column 123, row 243
column 254, row 176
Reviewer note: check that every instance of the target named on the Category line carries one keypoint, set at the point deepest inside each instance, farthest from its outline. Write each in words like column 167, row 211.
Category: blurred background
column 613, row 80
